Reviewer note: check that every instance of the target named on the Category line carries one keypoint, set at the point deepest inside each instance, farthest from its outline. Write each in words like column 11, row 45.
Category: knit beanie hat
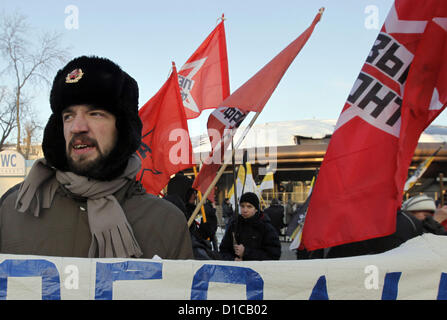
column 251, row 198
column 99, row 82
column 419, row 203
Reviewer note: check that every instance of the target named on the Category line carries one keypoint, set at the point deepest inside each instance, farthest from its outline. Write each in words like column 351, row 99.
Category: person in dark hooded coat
column 181, row 193
column 251, row 236
column 276, row 215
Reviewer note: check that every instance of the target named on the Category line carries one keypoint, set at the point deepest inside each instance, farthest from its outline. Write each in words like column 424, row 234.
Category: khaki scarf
column 112, row 236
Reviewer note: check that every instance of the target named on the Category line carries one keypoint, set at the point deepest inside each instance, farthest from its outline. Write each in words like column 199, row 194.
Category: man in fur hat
column 82, row 199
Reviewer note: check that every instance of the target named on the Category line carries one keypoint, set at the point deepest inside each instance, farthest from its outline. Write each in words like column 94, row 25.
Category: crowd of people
column 83, row 200
column 250, row 235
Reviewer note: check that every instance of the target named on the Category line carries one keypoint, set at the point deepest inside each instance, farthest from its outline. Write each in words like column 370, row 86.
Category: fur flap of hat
column 251, row 198
column 420, row 202
column 101, row 83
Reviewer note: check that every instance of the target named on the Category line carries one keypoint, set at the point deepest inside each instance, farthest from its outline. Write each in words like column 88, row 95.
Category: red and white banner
column 251, row 96
column 401, row 88
column 203, row 79
column 221, row 125
column 166, row 146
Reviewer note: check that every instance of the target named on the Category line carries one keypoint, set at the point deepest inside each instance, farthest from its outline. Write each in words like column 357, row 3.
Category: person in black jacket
column 407, row 227
column 414, row 219
column 251, row 236
column 203, row 235
column 276, row 215
column 227, row 211
column 424, row 209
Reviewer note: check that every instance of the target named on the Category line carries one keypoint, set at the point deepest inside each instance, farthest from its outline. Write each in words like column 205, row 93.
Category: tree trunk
column 19, row 148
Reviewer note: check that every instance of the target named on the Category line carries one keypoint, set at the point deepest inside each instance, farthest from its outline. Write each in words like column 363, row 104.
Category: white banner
column 415, row 270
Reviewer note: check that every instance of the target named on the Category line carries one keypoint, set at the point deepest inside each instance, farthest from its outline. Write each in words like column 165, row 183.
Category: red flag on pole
column 401, row 88
column 254, row 94
column 251, row 96
column 203, row 79
column 166, row 146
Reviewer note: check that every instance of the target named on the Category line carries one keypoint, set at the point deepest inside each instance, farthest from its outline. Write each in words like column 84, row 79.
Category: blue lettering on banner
column 227, row 274
column 319, row 292
column 107, row 273
column 442, row 290
column 390, row 286
column 51, row 288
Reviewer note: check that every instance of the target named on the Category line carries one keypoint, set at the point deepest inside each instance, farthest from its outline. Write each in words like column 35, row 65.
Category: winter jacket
column 276, row 215
column 430, row 225
column 202, row 247
column 258, row 236
column 407, row 227
column 227, row 210
column 63, row 230
column 208, row 229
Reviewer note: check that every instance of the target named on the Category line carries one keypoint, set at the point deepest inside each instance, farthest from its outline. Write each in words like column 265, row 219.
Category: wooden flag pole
column 441, row 187
column 200, row 197
column 236, row 201
column 220, row 172
column 269, row 81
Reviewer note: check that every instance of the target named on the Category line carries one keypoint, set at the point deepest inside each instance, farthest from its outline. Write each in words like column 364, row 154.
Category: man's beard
column 89, row 168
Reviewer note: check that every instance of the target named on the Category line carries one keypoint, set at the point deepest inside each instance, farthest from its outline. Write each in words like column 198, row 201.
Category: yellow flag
column 240, row 180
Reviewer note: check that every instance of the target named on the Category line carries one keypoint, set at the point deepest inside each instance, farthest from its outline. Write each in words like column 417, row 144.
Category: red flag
column 254, row 94
column 166, row 146
column 251, row 96
column 401, row 88
column 203, row 80
column 220, row 125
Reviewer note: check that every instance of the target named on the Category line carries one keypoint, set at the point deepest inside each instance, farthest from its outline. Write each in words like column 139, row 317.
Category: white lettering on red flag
column 203, row 79
column 251, row 96
column 400, row 89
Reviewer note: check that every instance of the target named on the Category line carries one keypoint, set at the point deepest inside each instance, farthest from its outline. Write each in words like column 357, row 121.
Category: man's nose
column 79, row 124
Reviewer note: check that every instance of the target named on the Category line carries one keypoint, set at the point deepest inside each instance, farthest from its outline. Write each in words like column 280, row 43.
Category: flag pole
column 236, row 202
column 200, row 197
column 422, row 168
column 291, row 51
column 221, row 171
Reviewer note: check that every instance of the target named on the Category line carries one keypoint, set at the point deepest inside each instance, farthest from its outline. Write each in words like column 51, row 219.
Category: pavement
column 286, row 254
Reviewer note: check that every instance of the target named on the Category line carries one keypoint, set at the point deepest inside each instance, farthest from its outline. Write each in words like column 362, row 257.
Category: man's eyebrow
column 67, row 110
column 89, row 107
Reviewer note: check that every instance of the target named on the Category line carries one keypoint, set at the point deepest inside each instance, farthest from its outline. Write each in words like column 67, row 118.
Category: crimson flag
column 251, row 96
column 203, row 79
column 401, row 88
column 166, row 146
column 221, row 123
column 254, row 94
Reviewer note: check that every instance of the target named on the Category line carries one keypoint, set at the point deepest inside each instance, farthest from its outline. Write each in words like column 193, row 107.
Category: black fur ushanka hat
column 101, row 83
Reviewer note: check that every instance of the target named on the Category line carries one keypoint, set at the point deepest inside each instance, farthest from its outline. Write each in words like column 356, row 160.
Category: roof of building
column 285, row 133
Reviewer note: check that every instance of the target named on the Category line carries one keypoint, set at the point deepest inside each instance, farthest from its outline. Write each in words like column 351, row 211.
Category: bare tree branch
column 27, row 62
column 7, row 116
